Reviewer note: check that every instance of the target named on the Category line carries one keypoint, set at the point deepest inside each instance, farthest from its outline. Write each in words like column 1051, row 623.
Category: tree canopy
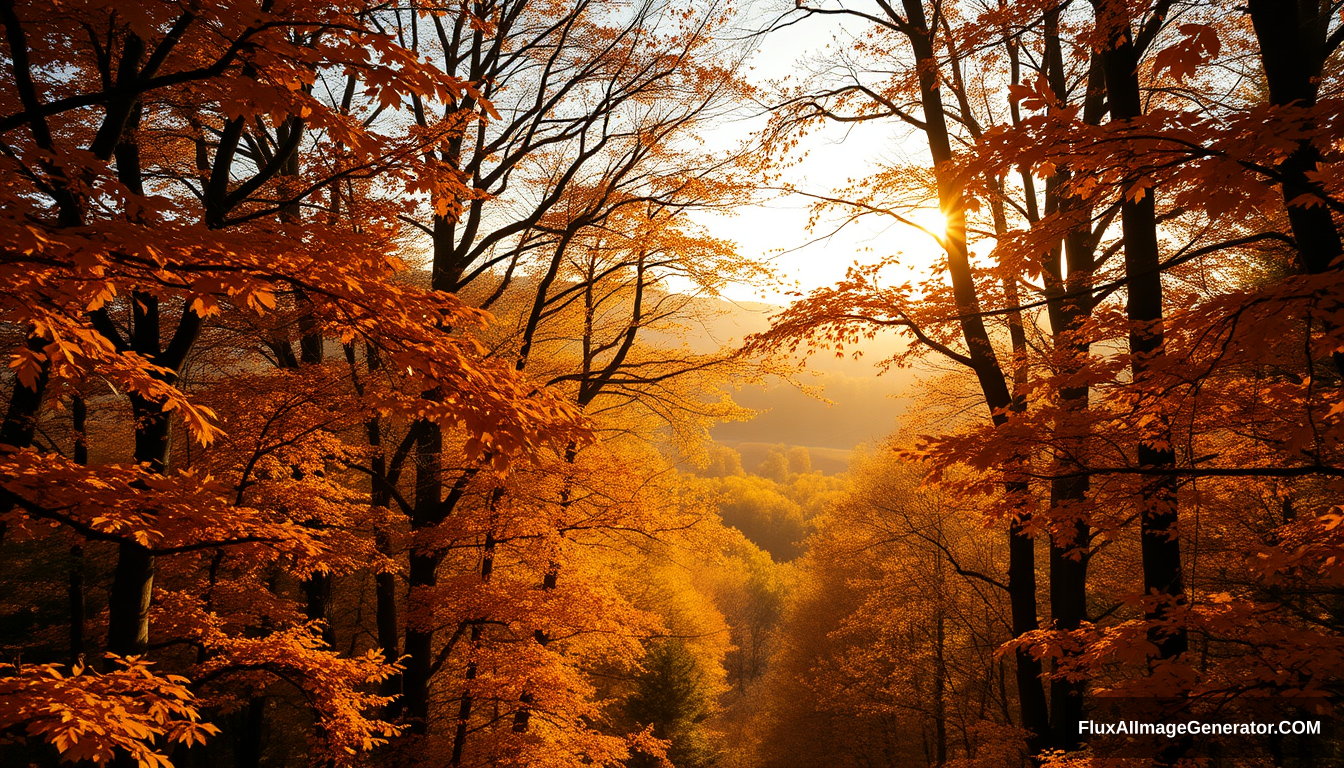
column 363, row 361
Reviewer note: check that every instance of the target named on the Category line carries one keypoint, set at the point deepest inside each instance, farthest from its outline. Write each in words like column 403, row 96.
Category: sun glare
column 931, row 220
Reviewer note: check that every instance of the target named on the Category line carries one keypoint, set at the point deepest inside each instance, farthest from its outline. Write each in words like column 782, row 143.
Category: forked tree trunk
column 317, row 587
column 133, row 578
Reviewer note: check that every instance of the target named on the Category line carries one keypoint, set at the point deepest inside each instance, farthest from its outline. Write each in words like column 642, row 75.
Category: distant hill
column 828, row 461
column 724, row 322
column 862, row 410
column 864, row 406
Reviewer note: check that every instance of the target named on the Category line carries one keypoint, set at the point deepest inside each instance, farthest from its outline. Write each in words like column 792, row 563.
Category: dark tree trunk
column 1293, row 47
column 75, row 594
column 984, row 363
column 21, row 417
column 249, row 733
column 1068, row 279
column 79, row 412
column 385, row 584
column 429, row 511
column 940, row 691
column 430, row 505
column 465, row 705
column 317, row 598
column 1161, row 545
column 389, row 637
column 317, row 587
column 424, row 565
column 128, row 604
column 133, row 579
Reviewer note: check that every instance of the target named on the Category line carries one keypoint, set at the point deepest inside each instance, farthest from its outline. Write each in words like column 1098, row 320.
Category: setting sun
column 931, row 221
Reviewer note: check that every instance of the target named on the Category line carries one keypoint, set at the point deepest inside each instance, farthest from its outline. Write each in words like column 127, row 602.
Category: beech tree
column 1177, row 184
column 583, row 146
column 126, row 180
column 915, row 97
column 359, row 399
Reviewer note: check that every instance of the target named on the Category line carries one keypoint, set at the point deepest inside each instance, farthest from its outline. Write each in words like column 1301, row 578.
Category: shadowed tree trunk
column 1294, row 44
column 984, row 363
column 1068, row 280
column 79, row 416
column 1160, row 540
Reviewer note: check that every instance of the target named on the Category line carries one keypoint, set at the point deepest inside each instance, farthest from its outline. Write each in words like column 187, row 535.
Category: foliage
column 355, row 356
column 883, row 647
column 89, row 716
column 203, row 204
column 1139, row 294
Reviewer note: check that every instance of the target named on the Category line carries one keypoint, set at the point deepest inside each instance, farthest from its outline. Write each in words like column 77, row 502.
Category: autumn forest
column 671, row 383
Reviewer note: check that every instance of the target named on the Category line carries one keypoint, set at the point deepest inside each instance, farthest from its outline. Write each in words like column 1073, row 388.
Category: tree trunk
column 430, row 505
column 21, row 417
column 1068, row 280
column 249, row 733
column 465, row 705
column 385, row 583
column 133, row 579
column 940, row 691
column 1292, row 40
column 1293, row 46
column 424, row 565
column 79, row 412
column 1161, row 545
column 1021, row 548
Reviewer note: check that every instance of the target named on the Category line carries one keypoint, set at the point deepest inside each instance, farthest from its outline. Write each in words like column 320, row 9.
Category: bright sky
column 777, row 230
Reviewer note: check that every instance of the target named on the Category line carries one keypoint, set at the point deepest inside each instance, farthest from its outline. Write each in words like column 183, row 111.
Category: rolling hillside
column 864, row 406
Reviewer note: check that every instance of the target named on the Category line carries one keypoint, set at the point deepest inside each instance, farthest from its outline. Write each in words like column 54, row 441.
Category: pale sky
column 776, row 230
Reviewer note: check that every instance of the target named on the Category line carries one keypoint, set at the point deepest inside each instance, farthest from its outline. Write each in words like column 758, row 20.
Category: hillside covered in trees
column 380, row 390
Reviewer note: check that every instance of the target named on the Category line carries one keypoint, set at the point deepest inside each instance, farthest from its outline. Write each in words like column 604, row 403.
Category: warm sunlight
column 931, row 221
column 573, row 384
